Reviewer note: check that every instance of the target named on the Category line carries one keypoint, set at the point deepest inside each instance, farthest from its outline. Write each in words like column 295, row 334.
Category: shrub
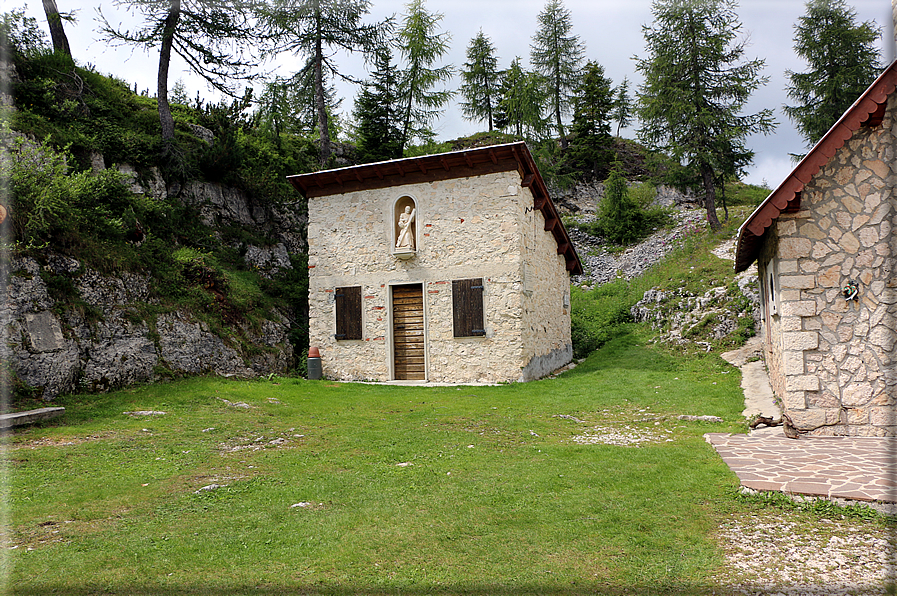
column 626, row 214
column 739, row 193
column 71, row 208
column 51, row 203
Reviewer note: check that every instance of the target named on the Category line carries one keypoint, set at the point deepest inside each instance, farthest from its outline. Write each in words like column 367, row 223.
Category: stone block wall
column 546, row 301
column 465, row 228
column 831, row 360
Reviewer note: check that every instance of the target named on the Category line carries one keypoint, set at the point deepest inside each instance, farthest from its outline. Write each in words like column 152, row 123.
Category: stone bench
column 29, row 417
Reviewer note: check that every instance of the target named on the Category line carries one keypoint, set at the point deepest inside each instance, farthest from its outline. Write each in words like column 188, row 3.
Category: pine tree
column 694, row 89
column 843, row 61
column 210, row 35
column 522, row 103
column 312, row 28
column 287, row 104
column 57, row 32
column 619, row 218
column 557, row 56
column 376, row 112
column 421, row 46
column 622, row 110
column 591, row 149
column 481, row 80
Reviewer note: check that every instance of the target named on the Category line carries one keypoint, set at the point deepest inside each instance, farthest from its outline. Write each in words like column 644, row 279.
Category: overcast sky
column 610, row 29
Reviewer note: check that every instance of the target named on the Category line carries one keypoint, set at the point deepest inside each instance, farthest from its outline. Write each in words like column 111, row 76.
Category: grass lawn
column 586, row 483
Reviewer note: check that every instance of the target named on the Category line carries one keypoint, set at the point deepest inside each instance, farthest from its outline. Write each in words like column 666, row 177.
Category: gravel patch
column 602, row 266
column 625, row 436
column 777, row 556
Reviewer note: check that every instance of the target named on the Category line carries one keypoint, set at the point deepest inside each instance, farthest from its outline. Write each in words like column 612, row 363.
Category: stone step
column 29, row 417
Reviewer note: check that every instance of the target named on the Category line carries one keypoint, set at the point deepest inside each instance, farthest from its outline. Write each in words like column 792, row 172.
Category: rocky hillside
column 74, row 328
column 718, row 311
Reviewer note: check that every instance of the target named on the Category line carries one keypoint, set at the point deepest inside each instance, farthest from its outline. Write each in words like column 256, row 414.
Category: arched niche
column 404, row 242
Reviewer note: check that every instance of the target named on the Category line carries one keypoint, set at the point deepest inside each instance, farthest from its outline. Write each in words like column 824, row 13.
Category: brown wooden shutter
column 467, row 304
column 348, row 312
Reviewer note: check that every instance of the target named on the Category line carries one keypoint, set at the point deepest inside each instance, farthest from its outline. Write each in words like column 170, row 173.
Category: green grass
column 499, row 491
column 498, row 497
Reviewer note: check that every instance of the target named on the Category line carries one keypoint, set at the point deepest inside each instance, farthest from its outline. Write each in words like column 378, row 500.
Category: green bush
column 626, row 214
column 739, row 193
column 268, row 160
column 72, row 208
column 53, row 204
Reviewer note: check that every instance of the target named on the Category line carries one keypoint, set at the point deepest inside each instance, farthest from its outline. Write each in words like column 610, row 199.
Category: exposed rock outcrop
column 602, row 265
column 584, row 197
column 114, row 347
column 103, row 336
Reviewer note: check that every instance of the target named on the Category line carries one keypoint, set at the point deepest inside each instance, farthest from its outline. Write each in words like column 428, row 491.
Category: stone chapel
column 443, row 268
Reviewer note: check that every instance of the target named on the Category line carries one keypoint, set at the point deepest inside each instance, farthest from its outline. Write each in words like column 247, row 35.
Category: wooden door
column 408, row 331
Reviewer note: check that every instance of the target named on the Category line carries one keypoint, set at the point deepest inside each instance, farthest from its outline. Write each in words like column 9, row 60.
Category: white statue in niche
column 405, row 239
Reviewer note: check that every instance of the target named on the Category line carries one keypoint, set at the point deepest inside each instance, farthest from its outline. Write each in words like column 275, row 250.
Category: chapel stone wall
column 466, row 228
column 838, row 355
column 546, row 300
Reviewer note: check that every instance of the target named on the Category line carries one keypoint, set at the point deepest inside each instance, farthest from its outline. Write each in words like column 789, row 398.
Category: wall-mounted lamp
column 850, row 290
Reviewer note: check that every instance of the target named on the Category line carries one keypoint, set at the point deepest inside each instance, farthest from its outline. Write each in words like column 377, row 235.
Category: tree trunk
column 560, row 123
column 57, row 33
column 323, row 124
column 489, row 104
column 165, row 118
column 710, row 198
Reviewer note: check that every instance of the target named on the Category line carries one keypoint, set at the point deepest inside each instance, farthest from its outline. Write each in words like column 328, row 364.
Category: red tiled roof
column 447, row 166
column 868, row 110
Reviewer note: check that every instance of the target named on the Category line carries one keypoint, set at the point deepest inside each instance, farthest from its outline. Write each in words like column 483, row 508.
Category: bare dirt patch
column 60, row 441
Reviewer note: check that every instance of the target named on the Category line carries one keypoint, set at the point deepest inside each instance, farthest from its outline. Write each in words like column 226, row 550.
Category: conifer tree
column 376, row 112
column 312, row 29
column 287, row 104
column 842, row 59
column 57, row 32
column 421, row 46
column 210, row 35
column 619, row 218
column 695, row 88
column 522, row 102
column 481, row 80
column 622, row 110
column 557, row 55
column 591, row 148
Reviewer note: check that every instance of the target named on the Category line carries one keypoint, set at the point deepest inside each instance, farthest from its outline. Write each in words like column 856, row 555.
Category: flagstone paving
column 854, row 468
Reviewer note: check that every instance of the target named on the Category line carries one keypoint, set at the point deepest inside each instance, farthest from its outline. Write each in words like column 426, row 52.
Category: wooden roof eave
column 867, row 110
column 532, row 179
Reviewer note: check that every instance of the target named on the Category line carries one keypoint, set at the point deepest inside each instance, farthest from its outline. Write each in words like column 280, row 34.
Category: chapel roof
column 446, row 166
column 868, row 110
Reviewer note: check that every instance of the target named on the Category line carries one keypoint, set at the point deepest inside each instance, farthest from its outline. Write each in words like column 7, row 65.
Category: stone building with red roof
column 825, row 248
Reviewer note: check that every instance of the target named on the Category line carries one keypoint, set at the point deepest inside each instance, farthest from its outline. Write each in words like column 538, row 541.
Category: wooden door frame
column 391, row 352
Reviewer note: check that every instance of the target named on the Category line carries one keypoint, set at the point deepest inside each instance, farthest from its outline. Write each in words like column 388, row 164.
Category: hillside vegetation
column 80, row 141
